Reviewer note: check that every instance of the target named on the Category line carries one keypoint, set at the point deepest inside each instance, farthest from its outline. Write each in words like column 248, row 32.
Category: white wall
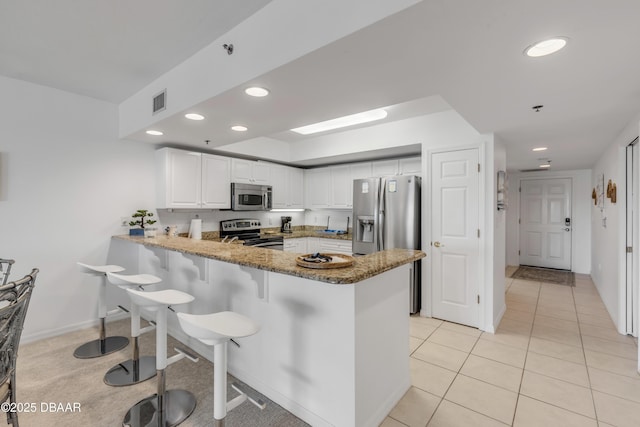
column 499, row 236
column 581, row 216
column 609, row 236
column 65, row 181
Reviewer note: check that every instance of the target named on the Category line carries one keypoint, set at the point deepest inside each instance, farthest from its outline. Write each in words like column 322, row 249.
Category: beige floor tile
column 523, row 328
column 558, row 393
column 521, row 298
column 558, row 335
column 557, row 350
column 606, row 334
column 617, row 385
column 420, row 331
column 575, row 373
column 533, row 413
column 610, row 363
column 552, row 322
column 415, row 408
column 440, row 355
column 588, row 309
column 492, row 372
column 560, row 314
column 587, row 299
column 467, row 330
column 431, row 378
column 529, row 308
column 390, row 422
column 450, row 414
column 457, row 340
column 616, row 411
column 549, row 304
column 414, row 343
column 590, row 319
column 506, row 337
column 489, row 400
column 500, row 353
column 520, row 316
column 628, row 351
column 428, row 321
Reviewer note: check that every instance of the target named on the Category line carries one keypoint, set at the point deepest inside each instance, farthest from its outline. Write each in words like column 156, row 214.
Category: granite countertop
column 296, row 233
column 363, row 267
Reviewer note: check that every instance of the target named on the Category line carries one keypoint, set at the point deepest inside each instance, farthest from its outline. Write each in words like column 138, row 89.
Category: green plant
column 139, row 218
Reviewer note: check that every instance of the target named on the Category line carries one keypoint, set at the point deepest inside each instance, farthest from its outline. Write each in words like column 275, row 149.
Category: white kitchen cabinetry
column 410, row 166
column 296, row 245
column 250, row 172
column 341, row 187
column 385, row 167
column 189, row 180
column 361, row 170
column 313, row 244
column 335, row 246
column 288, row 187
column 317, row 188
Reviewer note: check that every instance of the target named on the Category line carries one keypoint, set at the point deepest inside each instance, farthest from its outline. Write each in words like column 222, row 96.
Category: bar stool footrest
column 250, row 395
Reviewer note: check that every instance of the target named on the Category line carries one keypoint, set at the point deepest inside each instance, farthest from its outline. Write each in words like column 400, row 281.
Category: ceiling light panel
column 539, row 149
column 194, row 116
column 546, row 47
column 340, row 122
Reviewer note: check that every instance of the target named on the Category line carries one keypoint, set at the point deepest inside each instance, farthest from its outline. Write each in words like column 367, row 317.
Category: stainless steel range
column 248, row 230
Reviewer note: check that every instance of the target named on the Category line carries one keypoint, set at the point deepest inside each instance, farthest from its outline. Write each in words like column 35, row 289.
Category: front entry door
column 455, row 232
column 545, row 223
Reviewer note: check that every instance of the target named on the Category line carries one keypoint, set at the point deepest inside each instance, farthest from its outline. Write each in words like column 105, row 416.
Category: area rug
column 547, row 275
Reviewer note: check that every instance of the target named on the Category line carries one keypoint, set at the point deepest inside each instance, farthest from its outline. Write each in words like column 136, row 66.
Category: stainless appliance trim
column 241, row 190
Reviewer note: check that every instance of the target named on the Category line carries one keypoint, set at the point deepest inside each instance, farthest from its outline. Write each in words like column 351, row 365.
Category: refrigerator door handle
column 381, row 218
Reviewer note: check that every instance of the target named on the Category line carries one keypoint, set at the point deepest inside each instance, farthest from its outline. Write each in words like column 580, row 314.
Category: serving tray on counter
column 336, row 261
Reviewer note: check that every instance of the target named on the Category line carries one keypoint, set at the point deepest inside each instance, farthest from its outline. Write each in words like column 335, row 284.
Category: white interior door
column 545, row 223
column 455, row 234
column 632, row 239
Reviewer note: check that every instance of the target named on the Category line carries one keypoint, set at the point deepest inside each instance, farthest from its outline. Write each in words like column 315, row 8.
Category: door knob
column 438, row 244
column 567, row 229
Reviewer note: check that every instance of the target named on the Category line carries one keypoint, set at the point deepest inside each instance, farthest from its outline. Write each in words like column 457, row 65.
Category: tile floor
column 556, row 360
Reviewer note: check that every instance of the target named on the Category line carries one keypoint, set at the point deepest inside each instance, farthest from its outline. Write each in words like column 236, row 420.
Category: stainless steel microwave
column 250, row 197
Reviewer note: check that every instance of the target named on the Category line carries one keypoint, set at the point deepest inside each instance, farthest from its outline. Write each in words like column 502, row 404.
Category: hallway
column 556, row 360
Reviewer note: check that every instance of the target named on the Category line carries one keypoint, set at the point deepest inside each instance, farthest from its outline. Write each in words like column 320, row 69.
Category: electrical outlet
column 124, row 221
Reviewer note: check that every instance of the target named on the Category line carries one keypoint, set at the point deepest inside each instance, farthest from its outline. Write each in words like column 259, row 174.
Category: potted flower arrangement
column 141, row 219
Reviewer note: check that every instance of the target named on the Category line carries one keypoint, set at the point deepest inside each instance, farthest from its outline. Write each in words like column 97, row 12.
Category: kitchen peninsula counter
column 333, row 346
column 363, row 267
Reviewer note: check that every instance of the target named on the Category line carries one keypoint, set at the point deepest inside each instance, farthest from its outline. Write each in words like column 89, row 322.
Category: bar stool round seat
column 103, row 345
column 217, row 329
column 166, row 408
column 137, row 369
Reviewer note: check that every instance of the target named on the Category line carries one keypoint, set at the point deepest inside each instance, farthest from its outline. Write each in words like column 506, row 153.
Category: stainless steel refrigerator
column 386, row 215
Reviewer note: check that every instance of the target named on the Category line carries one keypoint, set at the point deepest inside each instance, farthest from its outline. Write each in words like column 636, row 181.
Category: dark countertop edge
column 310, row 274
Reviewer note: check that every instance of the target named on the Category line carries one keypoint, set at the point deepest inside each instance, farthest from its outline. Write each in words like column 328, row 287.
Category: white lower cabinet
column 296, row 245
column 335, row 246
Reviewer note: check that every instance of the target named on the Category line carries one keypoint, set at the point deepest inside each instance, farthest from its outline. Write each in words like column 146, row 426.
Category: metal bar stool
column 136, row 369
column 217, row 329
column 167, row 407
column 103, row 345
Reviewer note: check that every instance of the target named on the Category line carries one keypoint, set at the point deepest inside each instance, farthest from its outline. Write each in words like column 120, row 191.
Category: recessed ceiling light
column 256, row 91
column 546, row 47
column 340, row 122
column 546, row 165
column 154, row 132
column 539, row 149
column 194, row 116
column 239, row 128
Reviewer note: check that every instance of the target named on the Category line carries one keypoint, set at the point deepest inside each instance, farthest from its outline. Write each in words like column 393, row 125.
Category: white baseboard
column 50, row 333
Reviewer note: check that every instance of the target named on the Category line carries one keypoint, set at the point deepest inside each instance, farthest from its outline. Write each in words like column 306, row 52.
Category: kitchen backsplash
column 211, row 219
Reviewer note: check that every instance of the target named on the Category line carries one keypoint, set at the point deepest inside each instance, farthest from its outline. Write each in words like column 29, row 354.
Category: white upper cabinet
column 410, row 166
column 385, row 167
column 317, row 188
column 216, row 182
column 188, row 179
column 250, row 172
column 341, row 187
column 361, row 170
column 288, row 187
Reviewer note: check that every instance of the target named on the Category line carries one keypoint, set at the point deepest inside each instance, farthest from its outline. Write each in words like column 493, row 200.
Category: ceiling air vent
column 534, row 170
column 160, row 102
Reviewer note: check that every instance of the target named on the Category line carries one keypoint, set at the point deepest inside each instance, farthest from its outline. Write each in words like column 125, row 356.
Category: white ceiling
column 467, row 52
